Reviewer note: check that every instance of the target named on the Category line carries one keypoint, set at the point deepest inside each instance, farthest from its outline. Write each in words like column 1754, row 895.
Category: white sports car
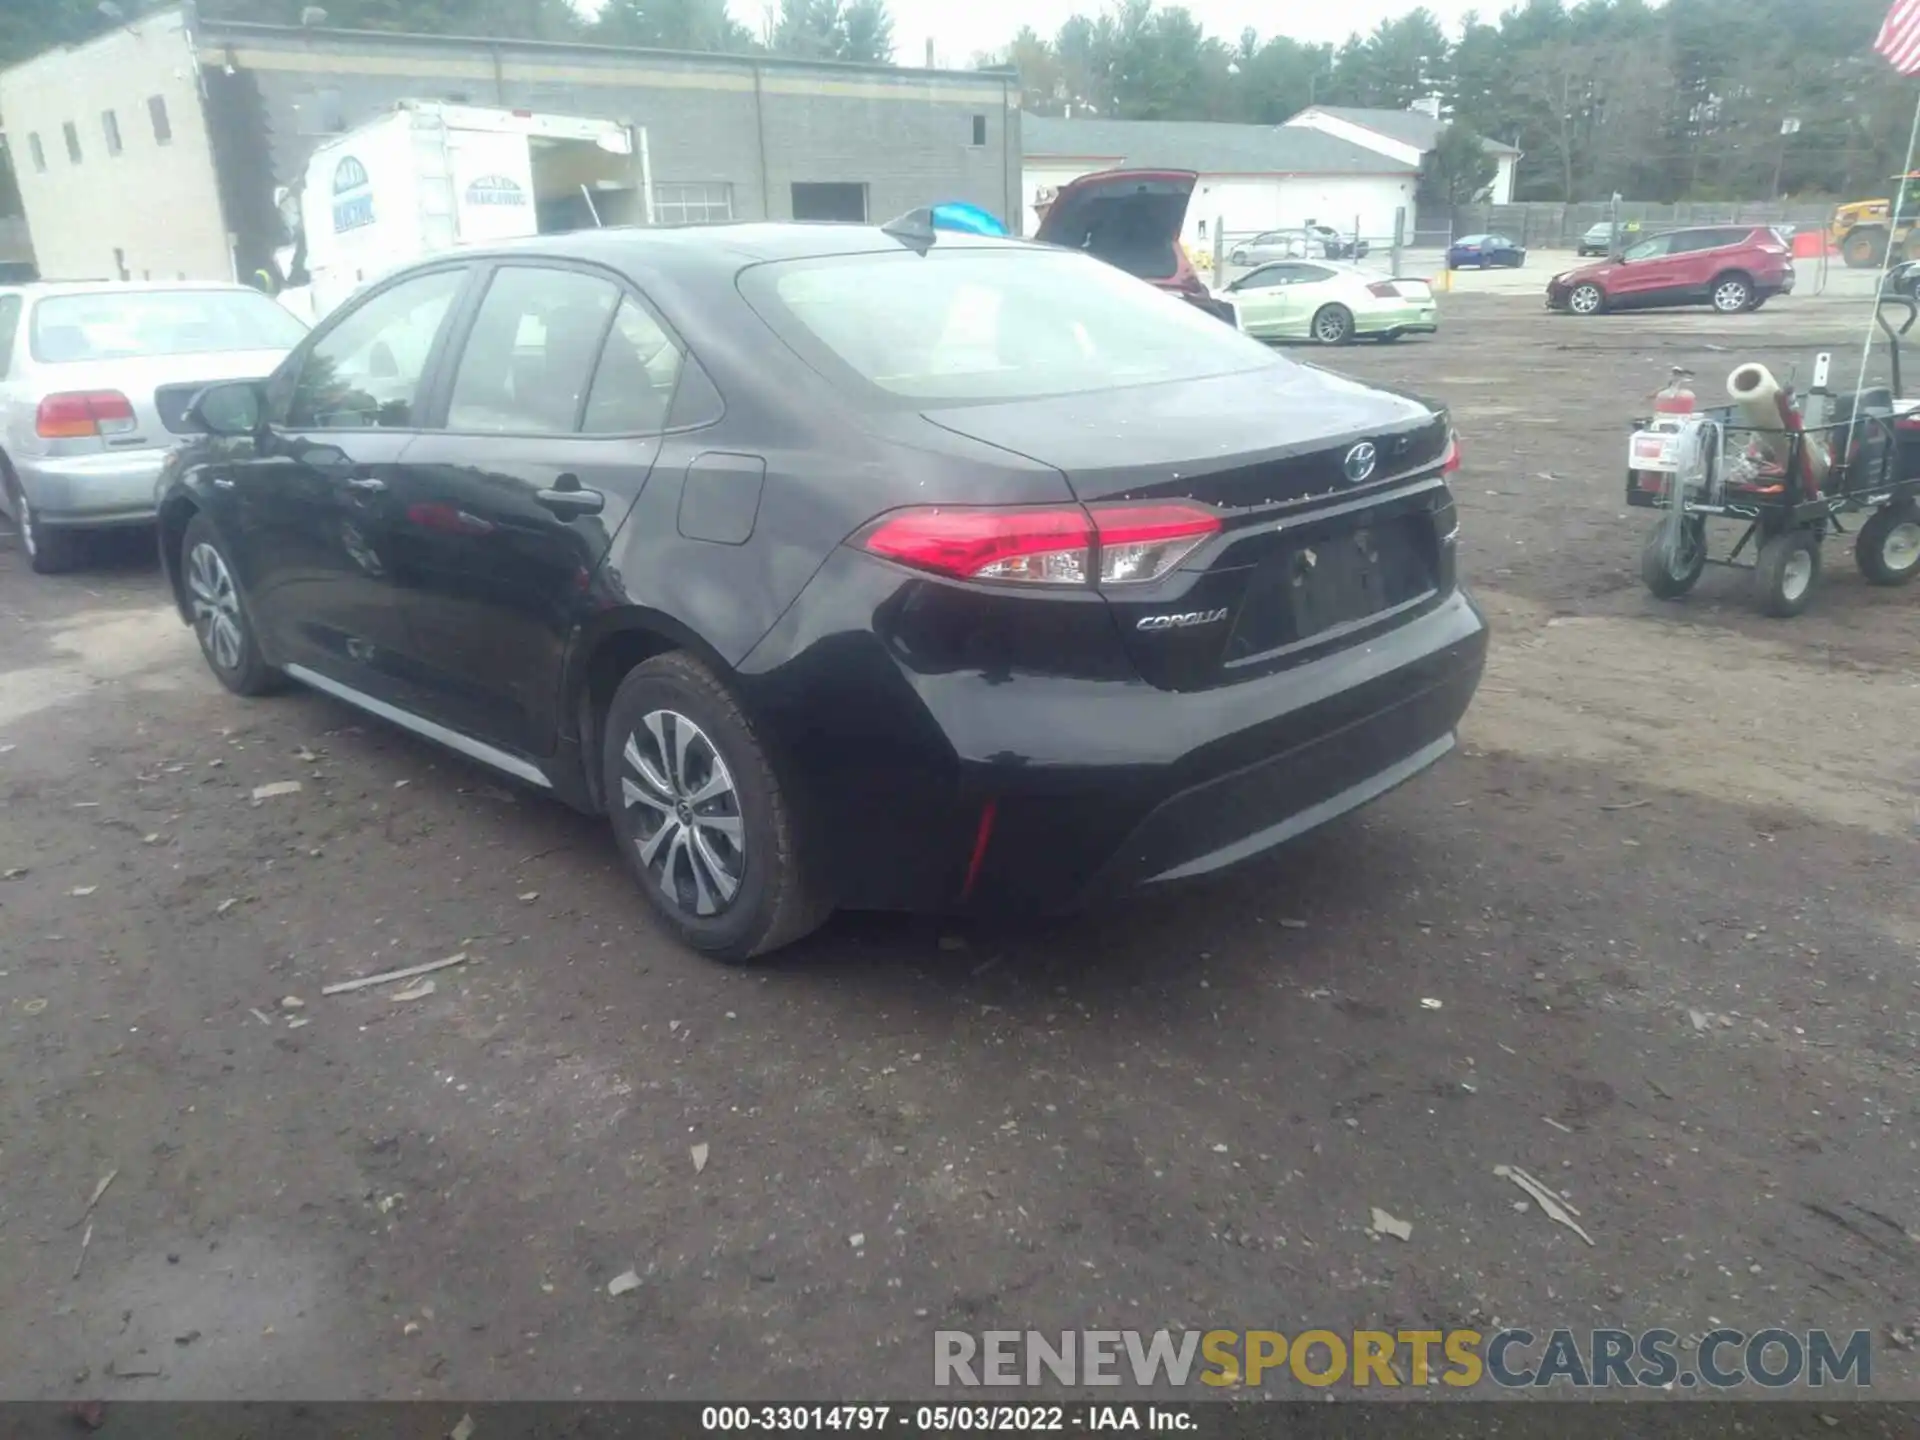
column 1330, row 303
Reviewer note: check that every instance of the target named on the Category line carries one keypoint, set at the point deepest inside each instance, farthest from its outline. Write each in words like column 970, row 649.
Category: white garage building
column 1252, row 177
column 1405, row 135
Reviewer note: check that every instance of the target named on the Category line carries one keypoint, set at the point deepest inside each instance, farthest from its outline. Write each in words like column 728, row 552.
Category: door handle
column 367, row 484
column 571, row 502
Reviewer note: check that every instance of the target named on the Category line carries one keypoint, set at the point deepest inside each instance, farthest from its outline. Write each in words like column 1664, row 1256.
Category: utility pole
column 1788, row 126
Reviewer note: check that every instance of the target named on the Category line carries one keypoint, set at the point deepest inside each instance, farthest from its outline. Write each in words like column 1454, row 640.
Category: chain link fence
column 1549, row 225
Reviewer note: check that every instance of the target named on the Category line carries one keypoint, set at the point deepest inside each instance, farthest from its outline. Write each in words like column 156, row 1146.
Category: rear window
column 119, row 325
column 959, row 325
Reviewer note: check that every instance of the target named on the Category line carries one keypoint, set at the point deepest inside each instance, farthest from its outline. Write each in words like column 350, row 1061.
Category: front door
column 1645, row 272
column 315, row 497
column 554, row 404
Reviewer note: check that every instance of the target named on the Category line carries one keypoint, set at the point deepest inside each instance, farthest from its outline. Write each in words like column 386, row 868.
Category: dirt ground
column 1665, row 897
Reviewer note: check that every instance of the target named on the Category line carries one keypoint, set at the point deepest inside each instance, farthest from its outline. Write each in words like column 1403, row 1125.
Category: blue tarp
column 957, row 215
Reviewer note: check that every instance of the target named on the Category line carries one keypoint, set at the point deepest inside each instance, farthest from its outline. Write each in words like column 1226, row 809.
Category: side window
column 364, row 373
column 633, row 387
column 1265, row 278
column 526, row 367
column 1649, row 249
column 9, row 327
column 1311, row 274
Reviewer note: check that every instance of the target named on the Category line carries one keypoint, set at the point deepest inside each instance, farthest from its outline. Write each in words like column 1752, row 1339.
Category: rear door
column 549, row 425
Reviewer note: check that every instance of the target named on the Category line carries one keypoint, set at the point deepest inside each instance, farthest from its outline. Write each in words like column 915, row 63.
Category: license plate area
column 1312, row 587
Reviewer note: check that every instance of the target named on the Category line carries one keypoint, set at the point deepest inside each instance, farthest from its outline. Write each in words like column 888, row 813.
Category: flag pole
column 1880, row 281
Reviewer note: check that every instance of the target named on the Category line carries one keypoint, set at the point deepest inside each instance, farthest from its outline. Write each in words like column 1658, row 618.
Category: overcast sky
column 958, row 28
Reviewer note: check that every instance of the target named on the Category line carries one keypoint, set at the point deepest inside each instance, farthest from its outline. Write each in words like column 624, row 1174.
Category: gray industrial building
column 156, row 149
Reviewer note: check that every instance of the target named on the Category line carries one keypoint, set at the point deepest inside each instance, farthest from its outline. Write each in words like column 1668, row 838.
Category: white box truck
column 429, row 177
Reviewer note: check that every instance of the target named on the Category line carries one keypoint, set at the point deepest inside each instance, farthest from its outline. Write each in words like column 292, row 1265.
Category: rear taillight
column 1384, row 289
column 1117, row 544
column 83, row 413
column 1450, row 460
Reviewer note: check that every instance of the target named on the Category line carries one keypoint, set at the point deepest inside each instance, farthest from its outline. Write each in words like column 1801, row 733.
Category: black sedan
column 841, row 567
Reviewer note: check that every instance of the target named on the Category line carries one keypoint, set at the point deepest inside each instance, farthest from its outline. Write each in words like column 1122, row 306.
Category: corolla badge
column 1360, row 462
column 1182, row 621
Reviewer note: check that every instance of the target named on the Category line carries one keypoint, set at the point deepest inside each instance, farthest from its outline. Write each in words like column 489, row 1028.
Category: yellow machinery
column 1863, row 231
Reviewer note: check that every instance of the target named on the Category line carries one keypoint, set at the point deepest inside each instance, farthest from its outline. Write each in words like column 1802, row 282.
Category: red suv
column 1730, row 267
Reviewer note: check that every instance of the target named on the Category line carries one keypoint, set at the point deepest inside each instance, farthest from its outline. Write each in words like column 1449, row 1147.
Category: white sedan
column 1329, row 303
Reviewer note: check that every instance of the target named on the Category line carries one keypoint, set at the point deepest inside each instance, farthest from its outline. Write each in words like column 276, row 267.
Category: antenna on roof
column 913, row 229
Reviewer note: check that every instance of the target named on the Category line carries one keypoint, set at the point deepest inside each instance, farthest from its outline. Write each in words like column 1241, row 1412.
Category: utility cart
column 1789, row 486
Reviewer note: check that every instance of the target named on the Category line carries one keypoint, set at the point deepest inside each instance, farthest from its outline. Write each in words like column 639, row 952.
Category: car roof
column 690, row 249
column 41, row 289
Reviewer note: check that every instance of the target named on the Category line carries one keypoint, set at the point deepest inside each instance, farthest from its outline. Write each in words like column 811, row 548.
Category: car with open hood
column 1132, row 219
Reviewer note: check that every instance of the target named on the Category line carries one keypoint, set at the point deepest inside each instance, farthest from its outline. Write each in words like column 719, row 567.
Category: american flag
column 1899, row 38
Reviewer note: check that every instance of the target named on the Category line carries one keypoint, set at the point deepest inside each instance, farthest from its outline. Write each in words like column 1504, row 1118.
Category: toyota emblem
column 1360, row 462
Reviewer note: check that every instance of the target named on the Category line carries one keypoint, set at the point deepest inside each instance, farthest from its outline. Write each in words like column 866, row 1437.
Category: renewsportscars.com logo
column 1511, row 1358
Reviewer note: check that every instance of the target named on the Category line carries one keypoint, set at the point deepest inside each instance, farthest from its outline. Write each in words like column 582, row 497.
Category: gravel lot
column 1664, row 897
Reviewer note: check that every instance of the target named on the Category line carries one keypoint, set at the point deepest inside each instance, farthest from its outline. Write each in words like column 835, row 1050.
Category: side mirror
column 233, row 408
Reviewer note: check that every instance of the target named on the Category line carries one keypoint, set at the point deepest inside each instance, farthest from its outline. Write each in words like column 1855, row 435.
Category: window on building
column 110, row 127
column 979, row 130
column 39, row 153
column 162, row 126
column 73, row 141
column 677, row 204
column 830, row 200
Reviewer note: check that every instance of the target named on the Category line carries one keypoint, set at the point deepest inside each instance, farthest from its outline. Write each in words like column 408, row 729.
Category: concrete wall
column 757, row 126
column 156, row 205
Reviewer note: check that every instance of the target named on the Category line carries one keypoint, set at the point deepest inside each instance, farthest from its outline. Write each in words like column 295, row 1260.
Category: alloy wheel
column 1584, row 300
column 1796, row 575
column 688, row 830
column 216, row 607
column 1901, row 549
column 1731, row 296
column 1330, row 327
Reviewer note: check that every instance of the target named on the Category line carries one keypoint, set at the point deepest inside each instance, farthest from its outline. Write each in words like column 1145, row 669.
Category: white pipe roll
column 1764, row 406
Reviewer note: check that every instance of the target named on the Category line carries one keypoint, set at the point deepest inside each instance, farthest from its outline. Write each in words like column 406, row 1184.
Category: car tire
column 1887, row 549
column 1669, row 571
column 1586, row 298
column 1786, row 574
column 711, row 833
column 1331, row 325
column 222, row 621
column 50, row 550
column 1238, row 257
column 1731, row 293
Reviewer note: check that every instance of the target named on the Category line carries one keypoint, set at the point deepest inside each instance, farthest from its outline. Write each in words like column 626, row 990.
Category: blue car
column 1478, row 252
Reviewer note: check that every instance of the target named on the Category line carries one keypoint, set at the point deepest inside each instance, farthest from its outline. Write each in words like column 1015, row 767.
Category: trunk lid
column 159, row 389
column 1331, row 497
column 1129, row 218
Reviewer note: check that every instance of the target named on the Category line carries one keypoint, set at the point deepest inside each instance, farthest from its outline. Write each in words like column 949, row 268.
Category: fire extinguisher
column 1671, row 408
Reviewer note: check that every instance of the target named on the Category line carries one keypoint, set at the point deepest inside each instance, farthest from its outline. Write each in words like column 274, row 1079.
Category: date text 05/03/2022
column 943, row 1419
